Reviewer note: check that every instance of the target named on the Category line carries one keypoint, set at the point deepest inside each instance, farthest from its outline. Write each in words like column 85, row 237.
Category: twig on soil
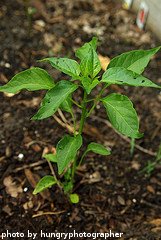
column 52, row 169
column 29, row 166
column 150, row 204
column 36, row 141
column 54, row 175
column 47, row 213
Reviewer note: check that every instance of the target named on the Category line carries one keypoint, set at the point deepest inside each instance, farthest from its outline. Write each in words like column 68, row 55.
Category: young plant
column 125, row 69
column 150, row 167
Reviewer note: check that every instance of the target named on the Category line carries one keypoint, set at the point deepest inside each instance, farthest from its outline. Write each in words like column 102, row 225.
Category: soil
column 114, row 193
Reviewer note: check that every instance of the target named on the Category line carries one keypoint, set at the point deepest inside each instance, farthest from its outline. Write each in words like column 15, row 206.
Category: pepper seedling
column 125, row 69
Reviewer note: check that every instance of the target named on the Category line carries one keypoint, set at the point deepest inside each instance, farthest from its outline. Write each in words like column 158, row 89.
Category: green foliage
column 98, row 148
column 125, row 69
column 66, row 150
column 151, row 165
column 90, row 64
column 123, row 76
column 122, row 115
column 44, row 183
column 54, row 98
column 135, row 61
column 32, row 79
column 67, row 104
column 74, row 198
column 50, row 157
column 65, row 65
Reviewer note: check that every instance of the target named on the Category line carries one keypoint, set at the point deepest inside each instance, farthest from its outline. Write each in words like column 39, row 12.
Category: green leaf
column 31, row 79
column 66, row 150
column 50, row 157
column 122, row 115
column 67, row 187
column 82, row 51
column 123, row 76
column 65, row 65
column 98, row 148
column 88, row 84
column 44, row 183
column 135, row 60
column 74, row 198
column 67, row 104
column 54, row 98
column 90, row 64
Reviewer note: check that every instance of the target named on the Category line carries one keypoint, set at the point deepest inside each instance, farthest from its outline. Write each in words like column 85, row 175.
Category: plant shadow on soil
column 113, row 195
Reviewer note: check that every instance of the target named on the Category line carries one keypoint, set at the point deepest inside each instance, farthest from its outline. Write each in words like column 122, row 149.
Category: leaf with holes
column 122, row 115
column 54, row 98
column 122, row 76
column 135, row 60
column 31, row 79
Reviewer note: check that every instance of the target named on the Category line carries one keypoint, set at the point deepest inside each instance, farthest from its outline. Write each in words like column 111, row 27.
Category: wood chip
column 150, row 189
column 121, row 200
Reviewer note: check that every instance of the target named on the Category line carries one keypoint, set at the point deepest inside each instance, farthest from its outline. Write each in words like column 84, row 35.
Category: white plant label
column 142, row 15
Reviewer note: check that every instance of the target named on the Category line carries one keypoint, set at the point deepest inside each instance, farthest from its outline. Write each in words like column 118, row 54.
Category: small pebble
column 25, row 189
column 20, row 156
column 7, row 65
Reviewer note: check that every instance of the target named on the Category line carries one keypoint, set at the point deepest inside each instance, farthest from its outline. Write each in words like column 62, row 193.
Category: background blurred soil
column 113, row 193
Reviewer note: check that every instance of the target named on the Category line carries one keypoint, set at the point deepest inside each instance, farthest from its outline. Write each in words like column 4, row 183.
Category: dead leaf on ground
column 104, row 61
column 11, row 187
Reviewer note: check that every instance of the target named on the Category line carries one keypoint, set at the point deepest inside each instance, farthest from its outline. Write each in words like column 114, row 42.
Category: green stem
column 78, row 105
column 82, row 158
column 97, row 99
column 82, row 121
column 84, row 111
